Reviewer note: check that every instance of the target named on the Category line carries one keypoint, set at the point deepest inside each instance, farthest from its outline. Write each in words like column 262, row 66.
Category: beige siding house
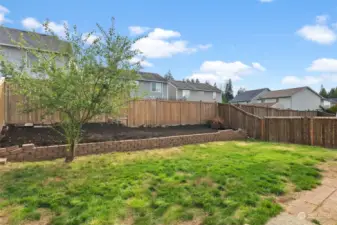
column 183, row 90
column 302, row 98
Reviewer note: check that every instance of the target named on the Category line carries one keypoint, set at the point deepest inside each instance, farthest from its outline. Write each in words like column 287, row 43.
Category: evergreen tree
column 192, row 80
column 229, row 90
column 197, row 81
column 214, row 85
column 332, row 93
column 187, row 80
column 323, row 92
column 168, row 76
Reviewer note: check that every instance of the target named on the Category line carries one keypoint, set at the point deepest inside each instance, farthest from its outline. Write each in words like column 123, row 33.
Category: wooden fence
column 236, row 118
column 317, row 131
column 135, row 113
column 262, row 111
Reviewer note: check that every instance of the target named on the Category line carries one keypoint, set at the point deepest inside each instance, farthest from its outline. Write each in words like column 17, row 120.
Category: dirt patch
column 197, row 221
column 44, row 136
column 205, row 180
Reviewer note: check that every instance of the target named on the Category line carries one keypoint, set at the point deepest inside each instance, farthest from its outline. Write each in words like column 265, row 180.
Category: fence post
column 311, row 128
column 262, row 129
column 200, row 112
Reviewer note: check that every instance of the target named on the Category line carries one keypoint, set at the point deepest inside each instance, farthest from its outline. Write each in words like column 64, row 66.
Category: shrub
column 217, row 123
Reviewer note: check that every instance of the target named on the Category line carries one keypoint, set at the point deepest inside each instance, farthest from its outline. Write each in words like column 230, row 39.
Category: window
column 186, row 93
column 214, row 95
column 156, row 87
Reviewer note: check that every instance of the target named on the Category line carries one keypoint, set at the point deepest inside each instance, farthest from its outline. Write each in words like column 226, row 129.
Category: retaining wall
column 29, row 152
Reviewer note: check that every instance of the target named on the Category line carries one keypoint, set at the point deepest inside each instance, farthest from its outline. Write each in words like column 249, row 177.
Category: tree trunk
column 72, row 152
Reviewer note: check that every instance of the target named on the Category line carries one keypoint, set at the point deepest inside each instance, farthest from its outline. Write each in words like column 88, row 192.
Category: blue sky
column 258, row 43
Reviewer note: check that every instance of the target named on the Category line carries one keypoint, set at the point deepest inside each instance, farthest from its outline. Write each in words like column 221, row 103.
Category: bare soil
column 44, row 136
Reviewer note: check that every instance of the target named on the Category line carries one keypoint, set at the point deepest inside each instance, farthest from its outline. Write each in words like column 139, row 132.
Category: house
column 248, row 97
column 301, row 98
column 15, row 54
column 152, row 86
column 182, row 90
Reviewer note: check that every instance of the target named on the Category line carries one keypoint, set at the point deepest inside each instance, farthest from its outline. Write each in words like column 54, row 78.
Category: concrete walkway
column 319, row 204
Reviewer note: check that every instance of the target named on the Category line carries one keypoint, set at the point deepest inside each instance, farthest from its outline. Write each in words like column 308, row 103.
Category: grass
column 215, row 183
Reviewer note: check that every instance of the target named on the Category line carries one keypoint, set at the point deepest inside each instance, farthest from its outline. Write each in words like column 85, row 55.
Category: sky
column 257, row 43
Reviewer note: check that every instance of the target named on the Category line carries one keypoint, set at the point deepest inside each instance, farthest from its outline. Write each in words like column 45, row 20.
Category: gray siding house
column 302, row 98
column 152, row 86
column 43, row 42
column 181, row 90
column 249, row 97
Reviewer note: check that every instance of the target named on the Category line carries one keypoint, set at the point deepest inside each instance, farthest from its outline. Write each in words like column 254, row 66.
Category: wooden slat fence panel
column 262, row 111
column 136, row 113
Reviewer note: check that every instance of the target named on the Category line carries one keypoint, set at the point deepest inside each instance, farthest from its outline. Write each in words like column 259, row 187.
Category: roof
column 33, row 39
column 151, row 77
column 183, row 85
column 247, row 96
column 332, row 100
column 284, row 93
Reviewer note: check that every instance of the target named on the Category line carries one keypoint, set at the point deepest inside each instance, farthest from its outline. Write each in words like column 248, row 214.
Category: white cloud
column 142, row 62
column 31, row 23
column 137, row 30
column 158, row 44
column 258, row 66
column 90, row 38
column 3, row 12
column 58, row 28
column 3, row 9
column 324, row 65
column 319, row 32
column 219, row 71
column 266, row 1
column 306, row 80
column 160, row 34
column 322, row 19
column 205, row 47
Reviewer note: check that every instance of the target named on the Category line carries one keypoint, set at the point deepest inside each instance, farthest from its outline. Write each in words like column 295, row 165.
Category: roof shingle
column 247, row 96
column 151, row 77
column 193, row 86
column 34, row 40
column 282, row 93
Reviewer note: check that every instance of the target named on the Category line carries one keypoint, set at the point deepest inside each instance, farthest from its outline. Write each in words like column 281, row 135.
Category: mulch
column 44, row 136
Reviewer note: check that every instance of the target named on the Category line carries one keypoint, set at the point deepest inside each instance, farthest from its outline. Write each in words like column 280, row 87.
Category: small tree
column 168, row 76
column 93, row 79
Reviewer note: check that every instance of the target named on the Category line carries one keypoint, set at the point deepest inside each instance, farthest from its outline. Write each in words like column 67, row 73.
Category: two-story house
column 9, row 47
column 152, row 86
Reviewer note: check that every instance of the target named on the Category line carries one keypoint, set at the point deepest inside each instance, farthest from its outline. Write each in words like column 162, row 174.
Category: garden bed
column 44, row 136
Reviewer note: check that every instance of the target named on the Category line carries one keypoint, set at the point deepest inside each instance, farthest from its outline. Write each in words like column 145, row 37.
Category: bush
column 332, row 109
column 217, row 123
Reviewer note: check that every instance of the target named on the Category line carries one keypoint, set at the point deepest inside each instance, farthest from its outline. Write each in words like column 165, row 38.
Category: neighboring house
column 302, row 98
column 182, row 90
column 14, row 54
column 152, row 86
column 248, row 97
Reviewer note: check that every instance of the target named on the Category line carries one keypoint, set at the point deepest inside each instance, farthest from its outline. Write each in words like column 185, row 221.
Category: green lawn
column 216, row 183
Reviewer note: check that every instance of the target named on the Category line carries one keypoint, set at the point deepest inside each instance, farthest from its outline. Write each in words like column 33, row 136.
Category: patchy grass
column 215, row 183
